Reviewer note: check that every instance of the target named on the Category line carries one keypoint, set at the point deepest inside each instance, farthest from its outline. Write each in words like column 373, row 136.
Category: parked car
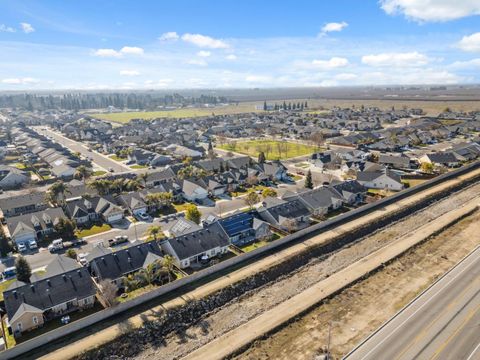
column 82, row 258
column 56, row 245
column 111, row 169
column 120, row 239
column 21, row 247
column 143, row 216
column 9, row 272
column 32, row 244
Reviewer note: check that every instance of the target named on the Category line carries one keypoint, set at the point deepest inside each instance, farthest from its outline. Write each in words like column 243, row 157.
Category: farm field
column 273, row 149
column 316, row 106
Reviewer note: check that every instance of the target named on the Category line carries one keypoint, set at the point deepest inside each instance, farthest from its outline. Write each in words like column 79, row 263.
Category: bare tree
column 108, row 291
column 317, row 139
column 291, row 225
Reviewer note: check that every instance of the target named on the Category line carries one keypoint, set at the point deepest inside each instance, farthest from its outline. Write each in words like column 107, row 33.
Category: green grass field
column 273, row 149
column 95, row 229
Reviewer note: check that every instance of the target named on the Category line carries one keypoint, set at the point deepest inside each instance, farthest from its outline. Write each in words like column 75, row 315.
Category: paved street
column 442, row 324
column 100, row 160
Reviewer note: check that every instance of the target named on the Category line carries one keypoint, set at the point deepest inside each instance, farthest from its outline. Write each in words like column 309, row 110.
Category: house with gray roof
column 33, row 226
column 318, row 201
column 65, row 287
column 382, row 179
column 116, row 265
column 12, row 178
column 287, row 215
column 22, row 204
column 196, row 247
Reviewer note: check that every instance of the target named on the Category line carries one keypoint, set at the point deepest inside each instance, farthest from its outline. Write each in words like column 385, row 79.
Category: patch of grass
column 117, row 158
column 4, row 286
column 181, row 207
column 20, row 166
column 99, row 173
column 95, row 229
column 297, row 177
column 413, row 182
column 273, row 149
column 302, row 165
column 9, row 338
column 254, row 245
column 137, row 166
column 449, row 122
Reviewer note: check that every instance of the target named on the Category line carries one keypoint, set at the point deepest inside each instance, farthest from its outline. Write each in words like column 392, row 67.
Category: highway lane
column 76, row 146
column 441, row 324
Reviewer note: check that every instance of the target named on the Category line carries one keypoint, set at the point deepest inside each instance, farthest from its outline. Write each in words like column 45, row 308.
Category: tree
column 268, row 192
column 23, row 270
column 261, row 157
column 317, row 139
column 159, row 199
column 426, row 167
column 211, row 153
column 308, row 180
column 291, row 225
column 83, row 173
column 251, row 180
column 264, row 106
column 65, row 228
column 71, row 253
column 56, row 193
column 251, row 199
column 143, row 177
column 108, row 291
column 154, row 231
column 193, row 214
column 168, row 265
column 5, row 246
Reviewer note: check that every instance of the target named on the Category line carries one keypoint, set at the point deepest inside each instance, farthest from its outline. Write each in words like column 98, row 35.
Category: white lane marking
column 416, row 311
column 473, row 352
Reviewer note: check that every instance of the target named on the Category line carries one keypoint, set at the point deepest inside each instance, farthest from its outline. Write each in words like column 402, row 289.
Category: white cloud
column 470, row 43
column 345, row 76
column 412, row 77
column 5, row 28
column 203, row 53
column 432, row 10
column 169, row 36
column 231, row 57
column 334, row 26
column 126, row 50
column 107, row 53
column 409, row 59
column 204, row 41
column 129, row 72
column 132, row 50
column 333, row 63
column 198, row 62
column 27, row 28
column 19, row 81
column 474, row 63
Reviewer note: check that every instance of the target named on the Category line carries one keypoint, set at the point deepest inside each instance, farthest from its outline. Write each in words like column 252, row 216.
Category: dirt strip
column 244, row 335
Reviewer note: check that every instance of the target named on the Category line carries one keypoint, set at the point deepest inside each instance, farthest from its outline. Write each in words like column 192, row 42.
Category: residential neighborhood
column 99, row 207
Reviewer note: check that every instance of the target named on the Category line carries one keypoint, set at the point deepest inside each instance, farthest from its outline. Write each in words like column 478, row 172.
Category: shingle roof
column 199, row 241
column 47, row 292
column 122, row 262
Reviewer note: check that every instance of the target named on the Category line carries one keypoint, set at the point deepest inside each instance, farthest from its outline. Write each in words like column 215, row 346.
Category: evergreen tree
column 265, row 106
column 261, row 157
column 289, row 106
column 5, row 247
column 306, row 105
column 308, row 180
column 284, row 106
column 23, row 269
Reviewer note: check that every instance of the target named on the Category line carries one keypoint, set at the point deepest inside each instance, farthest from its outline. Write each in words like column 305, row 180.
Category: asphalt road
column 100, row 160
column 442, row 324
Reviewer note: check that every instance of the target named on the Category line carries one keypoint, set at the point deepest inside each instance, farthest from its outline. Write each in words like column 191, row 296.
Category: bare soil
column 252, row 304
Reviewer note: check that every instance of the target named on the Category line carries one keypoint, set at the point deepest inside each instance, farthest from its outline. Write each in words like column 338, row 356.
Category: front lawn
column 137, row 166
column 95, row 229
column 273, row 149
column 117, row 158
column 181, row 207
column 4, row 286
column 99, row 173
column 254, row 245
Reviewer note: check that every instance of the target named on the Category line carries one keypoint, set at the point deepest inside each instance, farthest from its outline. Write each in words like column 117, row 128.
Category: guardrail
column 76, row 326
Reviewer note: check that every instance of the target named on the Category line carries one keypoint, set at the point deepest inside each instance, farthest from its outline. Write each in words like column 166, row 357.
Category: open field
column 274, row 150
column 315, row 106
column 354, row 313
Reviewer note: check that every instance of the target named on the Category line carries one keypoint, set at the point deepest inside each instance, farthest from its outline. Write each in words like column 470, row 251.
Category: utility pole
column 135, row 228
column 329, row 338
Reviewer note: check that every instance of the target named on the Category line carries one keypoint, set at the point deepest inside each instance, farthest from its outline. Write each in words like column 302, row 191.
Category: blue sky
column 215, row 44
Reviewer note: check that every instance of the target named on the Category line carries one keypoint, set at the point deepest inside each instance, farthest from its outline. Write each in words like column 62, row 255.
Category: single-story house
column 22, row 204
column 447, row 159
column 244, row 228
column 65, row 287
column 197, row 246
column 384, row 179
column 285, row 215
column 11, row 177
